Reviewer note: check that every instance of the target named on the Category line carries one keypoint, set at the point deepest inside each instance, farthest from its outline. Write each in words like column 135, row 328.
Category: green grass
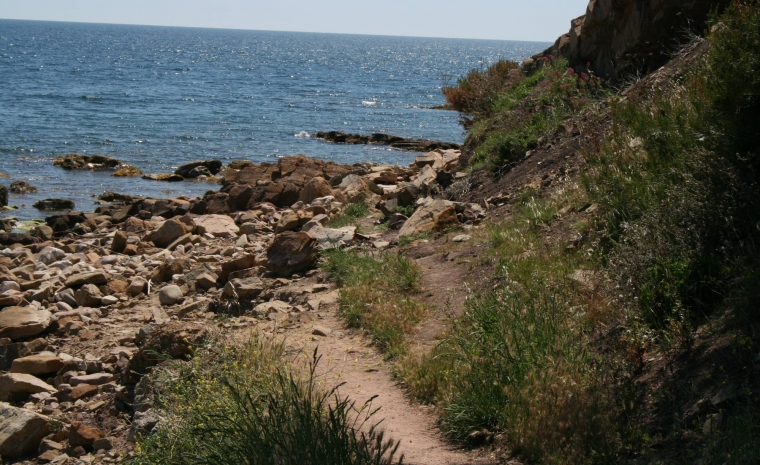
column 351, row 214
column 379, row 294
column 248, row 407
column 520, row 110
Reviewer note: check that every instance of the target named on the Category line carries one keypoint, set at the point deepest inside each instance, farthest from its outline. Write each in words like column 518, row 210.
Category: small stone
column 169, row 295
column 321, row 331
column 462, row 238
column 109, row 300
column 83, row 435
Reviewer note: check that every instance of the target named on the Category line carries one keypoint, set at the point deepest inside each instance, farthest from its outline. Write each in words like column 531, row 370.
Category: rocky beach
column 91, row 301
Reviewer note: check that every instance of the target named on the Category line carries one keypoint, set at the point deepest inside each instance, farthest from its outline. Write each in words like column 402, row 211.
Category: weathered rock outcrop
column 616, row 37
column 415, row 145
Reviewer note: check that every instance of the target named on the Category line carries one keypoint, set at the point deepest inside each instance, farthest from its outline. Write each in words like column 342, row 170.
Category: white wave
column 303, row 135
column 369, row 103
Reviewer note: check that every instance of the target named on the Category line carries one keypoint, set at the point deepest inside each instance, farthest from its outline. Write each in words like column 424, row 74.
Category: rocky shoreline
column 89, row 300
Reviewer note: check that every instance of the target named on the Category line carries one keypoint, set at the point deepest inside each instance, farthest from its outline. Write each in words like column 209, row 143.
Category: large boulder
column 246, row 288
column 40, row 364
column 291, row 252
column 21, row 431
column 436, row 215
column 21, row 322
column 21, row 383
column 217, row 225
column 168, row 232
column 314, row 189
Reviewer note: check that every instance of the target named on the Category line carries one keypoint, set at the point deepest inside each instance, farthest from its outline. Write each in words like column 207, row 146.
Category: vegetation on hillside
column 556, row 365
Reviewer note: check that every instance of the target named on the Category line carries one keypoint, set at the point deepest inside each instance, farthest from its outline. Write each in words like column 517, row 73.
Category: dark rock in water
column 75, row 161
column 110, row 196
column 3, row 196
column 22, row 187
column 127, row 171
column 199, row 171
column 292, row 252
column 192, row 170
column 415, row 145
column 164, row 177
column 54, row 204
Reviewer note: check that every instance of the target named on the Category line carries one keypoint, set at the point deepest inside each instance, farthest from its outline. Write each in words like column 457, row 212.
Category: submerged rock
column 54, row 204
column 22, row 187
column 75, row 161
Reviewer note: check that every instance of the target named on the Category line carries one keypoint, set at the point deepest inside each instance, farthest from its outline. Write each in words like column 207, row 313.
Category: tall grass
column 378, row 293
column 250, row 408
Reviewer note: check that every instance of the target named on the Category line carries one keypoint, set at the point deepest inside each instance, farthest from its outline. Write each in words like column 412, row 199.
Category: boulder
column 95, row 379
column 314, row 189
column 75, row 161
column 21, row 322
column 119, row 242
column 247, row 288
column 83, row 435
column 217, row 225
column 241, row 263
column 291, row 252
column 432, row 159
column 37, row 364
column 54, row 204
column 22, row 187
column 169, row 295
column 3, row 196
column 89, row 296
column 21, row 383
column 80, row 279
column 190, row 170
column 168, row 232
column 435, row 215
column 21, row 431
column 127, row 171
column 50, row 255
column 288, row 222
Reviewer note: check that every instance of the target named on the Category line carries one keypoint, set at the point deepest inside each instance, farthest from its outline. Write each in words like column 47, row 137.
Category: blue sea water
column 157, row 97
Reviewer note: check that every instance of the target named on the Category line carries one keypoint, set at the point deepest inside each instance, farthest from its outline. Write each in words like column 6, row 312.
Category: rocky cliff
column 617, row 37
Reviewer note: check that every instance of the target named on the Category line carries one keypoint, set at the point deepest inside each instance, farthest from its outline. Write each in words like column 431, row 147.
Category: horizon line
column 268, row 30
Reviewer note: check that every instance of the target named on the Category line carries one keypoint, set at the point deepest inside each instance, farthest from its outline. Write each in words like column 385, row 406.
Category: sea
column 158, row 97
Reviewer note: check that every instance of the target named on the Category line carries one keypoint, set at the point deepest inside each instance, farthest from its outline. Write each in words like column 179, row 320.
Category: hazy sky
column 539, row 20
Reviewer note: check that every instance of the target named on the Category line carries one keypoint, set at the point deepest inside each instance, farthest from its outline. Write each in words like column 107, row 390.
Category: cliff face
column 621, row 36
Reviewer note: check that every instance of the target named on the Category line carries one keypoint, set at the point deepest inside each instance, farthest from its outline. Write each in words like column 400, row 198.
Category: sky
column 532, row 20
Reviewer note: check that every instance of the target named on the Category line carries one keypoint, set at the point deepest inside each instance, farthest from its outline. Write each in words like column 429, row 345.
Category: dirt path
column 349, row 358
